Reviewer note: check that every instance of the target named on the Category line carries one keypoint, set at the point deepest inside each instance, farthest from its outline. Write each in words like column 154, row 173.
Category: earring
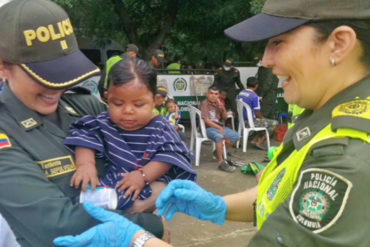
column 332, row 61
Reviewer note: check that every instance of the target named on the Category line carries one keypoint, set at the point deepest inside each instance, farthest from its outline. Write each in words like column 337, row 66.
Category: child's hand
column 84, row 175
column 133, row 182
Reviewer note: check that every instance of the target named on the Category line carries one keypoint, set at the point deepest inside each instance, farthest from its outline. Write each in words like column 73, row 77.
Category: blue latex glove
column 115, row 231
column 187, row 197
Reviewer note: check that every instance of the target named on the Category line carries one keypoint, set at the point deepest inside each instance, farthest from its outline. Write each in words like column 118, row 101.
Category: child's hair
column 130, row 68
column 170, row 101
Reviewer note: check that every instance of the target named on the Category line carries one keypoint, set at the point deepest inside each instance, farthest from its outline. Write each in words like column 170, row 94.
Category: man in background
column 157, row 59
column 267, row 90
column 225, row 79
column 250, row 97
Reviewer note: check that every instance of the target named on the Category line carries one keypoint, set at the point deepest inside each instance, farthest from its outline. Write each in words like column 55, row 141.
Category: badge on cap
column 4, row 141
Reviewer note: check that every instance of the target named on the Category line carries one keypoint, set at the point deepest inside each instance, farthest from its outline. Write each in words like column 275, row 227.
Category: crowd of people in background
column 56, row 139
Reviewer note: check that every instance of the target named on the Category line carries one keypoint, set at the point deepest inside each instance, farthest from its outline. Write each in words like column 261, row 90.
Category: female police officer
column 39, row 58
column 314, row 191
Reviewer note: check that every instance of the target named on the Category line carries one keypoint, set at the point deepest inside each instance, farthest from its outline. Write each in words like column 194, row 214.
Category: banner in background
column 186, row 89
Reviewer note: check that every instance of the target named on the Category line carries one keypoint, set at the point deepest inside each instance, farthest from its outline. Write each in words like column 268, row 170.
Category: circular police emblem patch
column 354, row 107
column 180, row 84
column 314, row 204
column 357, row 108
column 318, row 199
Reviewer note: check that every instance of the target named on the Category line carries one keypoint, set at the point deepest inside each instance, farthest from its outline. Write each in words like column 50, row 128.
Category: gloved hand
column 115, row 231
column 189, row 198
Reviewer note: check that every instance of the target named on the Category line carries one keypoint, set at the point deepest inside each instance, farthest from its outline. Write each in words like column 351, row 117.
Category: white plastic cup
column 102, row 196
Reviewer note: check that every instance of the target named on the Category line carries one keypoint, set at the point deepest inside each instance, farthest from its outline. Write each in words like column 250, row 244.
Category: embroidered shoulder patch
column 319, row 198
column 4, row 141
column 356, row 108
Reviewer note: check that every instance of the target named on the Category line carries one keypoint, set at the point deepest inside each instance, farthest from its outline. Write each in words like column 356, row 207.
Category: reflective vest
column 108, row 65
column 276, row 182
column 163, row 110
column 294, row 112
column 174, row 68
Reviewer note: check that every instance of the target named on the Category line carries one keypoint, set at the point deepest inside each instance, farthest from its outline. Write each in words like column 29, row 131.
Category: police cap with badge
column 45, row 48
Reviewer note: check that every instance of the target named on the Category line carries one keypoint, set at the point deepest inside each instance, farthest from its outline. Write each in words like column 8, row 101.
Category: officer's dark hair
column 361, row 27
column 214, row 88
column 130, row 68
column 252, row 81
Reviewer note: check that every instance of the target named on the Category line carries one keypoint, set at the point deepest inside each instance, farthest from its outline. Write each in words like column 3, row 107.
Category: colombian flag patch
column 4, row 141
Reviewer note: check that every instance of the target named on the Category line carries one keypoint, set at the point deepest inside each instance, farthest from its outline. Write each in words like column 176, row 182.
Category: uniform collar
column 26, row 118
column 311, row 122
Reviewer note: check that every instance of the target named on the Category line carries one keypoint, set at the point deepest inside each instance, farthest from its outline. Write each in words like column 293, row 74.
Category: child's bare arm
column 135, row 181
column 85, row 169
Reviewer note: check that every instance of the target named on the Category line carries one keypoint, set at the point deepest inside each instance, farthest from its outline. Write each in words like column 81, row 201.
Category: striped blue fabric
column 129, row 150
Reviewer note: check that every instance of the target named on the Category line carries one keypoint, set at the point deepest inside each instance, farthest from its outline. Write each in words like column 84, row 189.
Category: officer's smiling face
column 302, row 63
column 33, row 95
column 130, row 106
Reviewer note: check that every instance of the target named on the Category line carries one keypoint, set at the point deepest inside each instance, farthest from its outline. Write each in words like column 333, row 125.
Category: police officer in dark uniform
column 225, row 79
column 315, row 190
column 267, row 89
column 40, row 60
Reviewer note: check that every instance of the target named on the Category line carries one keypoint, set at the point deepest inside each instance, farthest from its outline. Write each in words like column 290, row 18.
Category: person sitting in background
column 213, row 112
column 143, row 150
column 173, row 116
column 250, row 97
column 160, row 101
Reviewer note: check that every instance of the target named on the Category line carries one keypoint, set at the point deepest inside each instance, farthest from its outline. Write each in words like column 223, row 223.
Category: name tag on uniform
column 57, row 166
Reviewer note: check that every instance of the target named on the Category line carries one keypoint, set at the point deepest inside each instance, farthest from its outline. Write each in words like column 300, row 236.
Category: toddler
column 173, row 116
column 142, row 150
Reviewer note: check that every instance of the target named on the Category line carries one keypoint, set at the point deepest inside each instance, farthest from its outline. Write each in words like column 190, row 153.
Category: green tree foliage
column 190, row 30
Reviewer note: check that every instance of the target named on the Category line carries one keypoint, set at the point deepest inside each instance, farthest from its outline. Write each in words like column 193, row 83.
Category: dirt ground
column 187, row 231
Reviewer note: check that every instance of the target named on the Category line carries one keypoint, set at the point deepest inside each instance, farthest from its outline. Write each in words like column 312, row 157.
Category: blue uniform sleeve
column 86, row 132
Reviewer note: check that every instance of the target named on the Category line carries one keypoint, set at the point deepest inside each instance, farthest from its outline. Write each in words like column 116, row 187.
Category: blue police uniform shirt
column 126, row 151
column 251, row 98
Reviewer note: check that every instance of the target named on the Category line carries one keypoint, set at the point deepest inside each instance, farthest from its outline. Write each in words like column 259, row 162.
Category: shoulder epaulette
column 353, row 115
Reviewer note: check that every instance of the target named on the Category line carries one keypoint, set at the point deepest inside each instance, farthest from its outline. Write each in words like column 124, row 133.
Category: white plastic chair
column 245, row 131
column 231, row 116
column 198, row 133
column 181, row 128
